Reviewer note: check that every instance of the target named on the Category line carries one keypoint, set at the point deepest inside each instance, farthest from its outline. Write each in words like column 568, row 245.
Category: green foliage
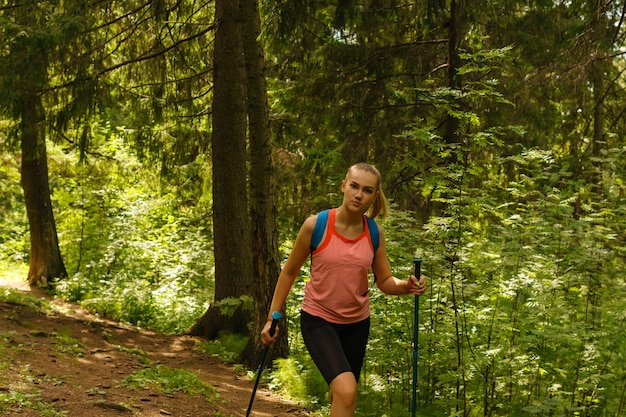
column 228, row 306
column 137, row 353
column 31, row 401
column 227, row 347
column 15, row 400
column 297, row 378
column 14, row 243
column 129, row 257
column 523, row 294
column 167, row 380
column 12, row 296
column 66, row 343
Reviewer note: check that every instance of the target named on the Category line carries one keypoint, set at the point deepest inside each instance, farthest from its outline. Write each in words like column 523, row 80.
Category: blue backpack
column 320, row 226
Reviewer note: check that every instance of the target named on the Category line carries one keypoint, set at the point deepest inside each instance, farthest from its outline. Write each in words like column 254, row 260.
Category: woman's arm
column 385, row 280
column 291, row 269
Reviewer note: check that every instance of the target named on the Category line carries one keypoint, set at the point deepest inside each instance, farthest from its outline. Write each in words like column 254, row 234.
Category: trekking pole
column 417, row 262
column 275, row 317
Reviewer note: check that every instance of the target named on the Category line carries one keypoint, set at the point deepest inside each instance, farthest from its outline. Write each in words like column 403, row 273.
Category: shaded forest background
column 142, row 182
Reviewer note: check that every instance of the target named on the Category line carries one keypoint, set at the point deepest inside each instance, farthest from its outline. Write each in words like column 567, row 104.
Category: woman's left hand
column 415, row 286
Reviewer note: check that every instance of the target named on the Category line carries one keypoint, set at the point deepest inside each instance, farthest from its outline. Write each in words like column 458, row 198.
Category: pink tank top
column 338, row 287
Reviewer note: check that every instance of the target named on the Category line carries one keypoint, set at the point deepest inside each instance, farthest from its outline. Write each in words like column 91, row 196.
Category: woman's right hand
column 265, row 333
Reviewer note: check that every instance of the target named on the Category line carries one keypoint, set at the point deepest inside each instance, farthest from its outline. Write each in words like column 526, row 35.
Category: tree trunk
column 231, row 220
column 46, row 263
column 262, row 186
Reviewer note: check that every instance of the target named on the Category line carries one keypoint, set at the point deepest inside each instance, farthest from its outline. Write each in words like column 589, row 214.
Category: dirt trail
column 70, row 363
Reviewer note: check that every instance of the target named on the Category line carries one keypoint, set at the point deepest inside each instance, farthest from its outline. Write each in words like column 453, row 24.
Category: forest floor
column 67, row 362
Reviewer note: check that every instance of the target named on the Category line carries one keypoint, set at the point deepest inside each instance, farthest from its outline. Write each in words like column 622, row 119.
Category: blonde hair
column 379, row 206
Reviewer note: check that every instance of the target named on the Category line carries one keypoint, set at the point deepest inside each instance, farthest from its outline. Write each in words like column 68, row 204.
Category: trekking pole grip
column 275, row 317
column 417, row 264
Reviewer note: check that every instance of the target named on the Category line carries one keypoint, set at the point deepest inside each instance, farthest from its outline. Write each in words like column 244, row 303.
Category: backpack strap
column 320, row 227
column 373, row 228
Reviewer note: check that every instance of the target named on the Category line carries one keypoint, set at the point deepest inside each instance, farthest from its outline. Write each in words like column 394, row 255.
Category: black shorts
column 335, row 348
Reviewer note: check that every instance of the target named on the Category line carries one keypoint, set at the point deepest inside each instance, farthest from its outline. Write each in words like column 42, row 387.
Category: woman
column 335, row 311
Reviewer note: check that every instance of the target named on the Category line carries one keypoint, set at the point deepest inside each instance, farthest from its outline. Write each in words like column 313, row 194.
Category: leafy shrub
column 168, row 380
column 134, row 252
column 297, row 378
column 227, row 347
column 14, row 237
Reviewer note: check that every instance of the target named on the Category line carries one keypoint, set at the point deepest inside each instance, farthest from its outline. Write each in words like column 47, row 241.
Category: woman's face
column 360, row 189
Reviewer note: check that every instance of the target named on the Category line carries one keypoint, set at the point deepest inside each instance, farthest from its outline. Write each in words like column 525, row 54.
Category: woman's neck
column 347, row 217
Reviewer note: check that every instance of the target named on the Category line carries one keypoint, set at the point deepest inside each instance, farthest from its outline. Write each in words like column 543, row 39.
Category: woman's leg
column 338, row 351
column 324, row 346
column 343, row 392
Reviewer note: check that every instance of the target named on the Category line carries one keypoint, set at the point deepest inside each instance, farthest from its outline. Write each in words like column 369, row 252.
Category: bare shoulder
column 309, row 224
column 303, row 240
